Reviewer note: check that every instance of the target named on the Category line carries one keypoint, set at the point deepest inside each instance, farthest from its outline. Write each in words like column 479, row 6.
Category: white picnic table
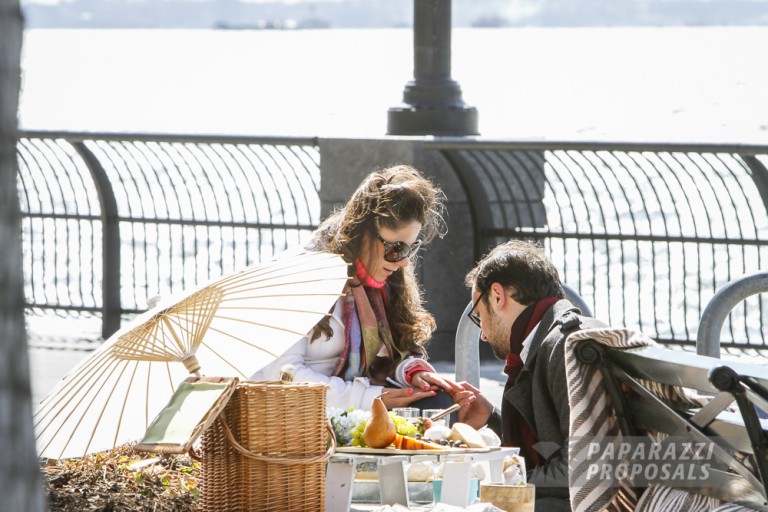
column 392, row 471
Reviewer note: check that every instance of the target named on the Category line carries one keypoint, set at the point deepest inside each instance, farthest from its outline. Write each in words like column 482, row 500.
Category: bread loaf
column 466, row 434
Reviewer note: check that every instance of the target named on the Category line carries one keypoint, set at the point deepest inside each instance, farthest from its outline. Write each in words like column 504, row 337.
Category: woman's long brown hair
column 389, row 198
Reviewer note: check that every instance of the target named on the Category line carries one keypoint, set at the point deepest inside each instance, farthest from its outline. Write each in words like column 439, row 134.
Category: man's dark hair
column 522, row 268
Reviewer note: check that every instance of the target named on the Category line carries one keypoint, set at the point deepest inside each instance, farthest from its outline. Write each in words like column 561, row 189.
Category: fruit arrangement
column 349, row 425
column 382, row 429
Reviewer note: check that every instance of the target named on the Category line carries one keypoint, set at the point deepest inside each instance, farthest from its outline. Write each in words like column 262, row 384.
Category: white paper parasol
column 231, row 327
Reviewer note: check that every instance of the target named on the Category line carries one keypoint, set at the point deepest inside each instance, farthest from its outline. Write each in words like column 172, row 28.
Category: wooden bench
column 729, row 418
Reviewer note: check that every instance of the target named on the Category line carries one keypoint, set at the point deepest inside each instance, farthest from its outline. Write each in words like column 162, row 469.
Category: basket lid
column 193, row 407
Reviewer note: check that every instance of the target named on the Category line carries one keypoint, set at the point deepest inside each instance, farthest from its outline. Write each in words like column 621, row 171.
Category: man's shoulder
column 566, row 319
column 573, row 321
column 569, row 317
column 560, row 321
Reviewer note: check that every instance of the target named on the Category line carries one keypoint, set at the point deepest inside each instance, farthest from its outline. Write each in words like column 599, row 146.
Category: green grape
column 357, row 435
column 403, row 426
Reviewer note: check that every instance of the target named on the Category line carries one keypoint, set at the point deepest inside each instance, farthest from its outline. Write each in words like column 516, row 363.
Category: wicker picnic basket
column 267, row 450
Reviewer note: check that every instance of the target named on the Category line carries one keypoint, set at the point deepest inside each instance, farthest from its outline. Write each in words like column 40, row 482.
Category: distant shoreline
column 315, row 14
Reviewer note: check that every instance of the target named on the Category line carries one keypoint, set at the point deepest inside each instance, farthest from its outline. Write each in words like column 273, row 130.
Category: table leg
column 338, row 485
column 393, row 485
column 455, row 488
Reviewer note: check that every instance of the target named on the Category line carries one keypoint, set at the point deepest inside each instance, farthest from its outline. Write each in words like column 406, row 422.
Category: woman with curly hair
column 373, row 342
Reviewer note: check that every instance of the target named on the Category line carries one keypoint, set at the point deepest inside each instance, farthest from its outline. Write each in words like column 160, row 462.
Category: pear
column 380, row 430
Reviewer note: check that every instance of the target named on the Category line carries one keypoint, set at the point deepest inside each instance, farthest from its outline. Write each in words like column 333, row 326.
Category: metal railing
column 720, row 306
column 109, row 221
column 646, row 233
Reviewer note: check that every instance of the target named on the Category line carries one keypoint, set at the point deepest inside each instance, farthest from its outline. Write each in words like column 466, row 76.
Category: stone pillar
column 432, row 103
column 441, row 265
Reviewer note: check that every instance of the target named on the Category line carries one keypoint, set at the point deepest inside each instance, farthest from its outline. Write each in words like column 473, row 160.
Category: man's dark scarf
column 515, row 430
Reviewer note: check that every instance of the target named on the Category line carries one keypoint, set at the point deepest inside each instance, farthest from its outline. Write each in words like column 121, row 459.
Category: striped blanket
column 591, row 417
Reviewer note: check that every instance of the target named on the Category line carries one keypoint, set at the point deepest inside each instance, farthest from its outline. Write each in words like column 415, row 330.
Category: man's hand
column 475, row 408
column 397, row 397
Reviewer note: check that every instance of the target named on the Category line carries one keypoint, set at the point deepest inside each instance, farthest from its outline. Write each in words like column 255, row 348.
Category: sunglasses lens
column 396, row 252
column 399, row 251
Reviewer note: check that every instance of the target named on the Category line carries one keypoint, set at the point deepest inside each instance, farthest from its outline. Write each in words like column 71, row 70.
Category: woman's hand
column 429, row 380
column 403, row 397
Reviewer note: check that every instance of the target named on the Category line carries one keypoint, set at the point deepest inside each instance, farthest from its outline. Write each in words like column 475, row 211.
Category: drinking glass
column 409, row 413
column 428, row 413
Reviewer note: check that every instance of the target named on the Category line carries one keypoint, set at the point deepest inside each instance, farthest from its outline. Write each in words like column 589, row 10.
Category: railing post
column 577, row 300
column 467, row 349
column 110, row 260
column 720, row 306
column 433, row 104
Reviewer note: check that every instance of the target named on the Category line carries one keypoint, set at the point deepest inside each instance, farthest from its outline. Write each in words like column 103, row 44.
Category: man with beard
column 520, row 307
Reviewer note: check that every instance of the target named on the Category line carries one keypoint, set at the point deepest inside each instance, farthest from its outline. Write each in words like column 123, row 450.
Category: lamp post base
column 407, row 120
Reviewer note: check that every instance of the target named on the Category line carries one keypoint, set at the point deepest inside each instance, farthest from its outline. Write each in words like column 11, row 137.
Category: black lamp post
column 432, row 103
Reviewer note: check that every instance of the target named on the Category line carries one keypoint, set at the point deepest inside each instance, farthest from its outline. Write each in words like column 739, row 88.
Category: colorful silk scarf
column 369, row 350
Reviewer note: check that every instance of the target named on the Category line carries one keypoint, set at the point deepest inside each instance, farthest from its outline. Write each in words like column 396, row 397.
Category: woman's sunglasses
column 398, row 251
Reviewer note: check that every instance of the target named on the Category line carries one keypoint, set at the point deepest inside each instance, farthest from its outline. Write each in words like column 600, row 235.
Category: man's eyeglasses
column 474, row 316
column 398, row 251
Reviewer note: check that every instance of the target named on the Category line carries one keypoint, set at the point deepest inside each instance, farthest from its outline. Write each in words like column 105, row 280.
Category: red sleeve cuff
column 414, row 370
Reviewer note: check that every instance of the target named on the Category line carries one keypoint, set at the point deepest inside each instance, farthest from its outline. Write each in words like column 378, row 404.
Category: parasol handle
column 192, row 365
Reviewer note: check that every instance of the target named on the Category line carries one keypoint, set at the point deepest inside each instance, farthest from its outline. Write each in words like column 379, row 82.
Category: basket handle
column 194, row 455
column 279, row 460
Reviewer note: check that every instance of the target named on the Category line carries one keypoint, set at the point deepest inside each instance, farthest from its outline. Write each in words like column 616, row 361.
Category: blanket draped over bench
column 592, row 417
